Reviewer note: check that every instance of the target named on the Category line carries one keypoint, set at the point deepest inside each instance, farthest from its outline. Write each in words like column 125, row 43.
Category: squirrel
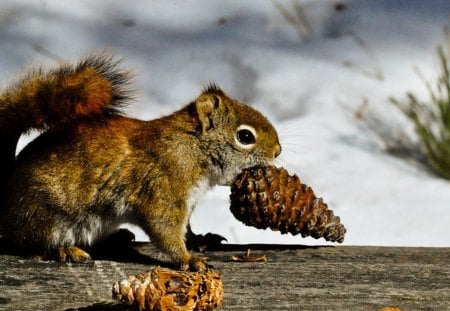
column 92, row 168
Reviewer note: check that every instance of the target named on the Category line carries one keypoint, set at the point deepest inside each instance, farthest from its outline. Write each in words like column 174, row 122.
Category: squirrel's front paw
column 198, row 263
column 72, row 254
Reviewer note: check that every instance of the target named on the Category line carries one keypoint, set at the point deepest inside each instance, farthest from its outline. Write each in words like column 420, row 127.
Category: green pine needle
column 432, row 120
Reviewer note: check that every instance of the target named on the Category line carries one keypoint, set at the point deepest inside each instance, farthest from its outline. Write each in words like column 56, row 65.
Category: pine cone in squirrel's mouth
column 269, row 197
column 166, row 289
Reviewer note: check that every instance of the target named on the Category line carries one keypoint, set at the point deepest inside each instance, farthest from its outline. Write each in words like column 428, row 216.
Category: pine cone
column 166, row 289
column 265, row 197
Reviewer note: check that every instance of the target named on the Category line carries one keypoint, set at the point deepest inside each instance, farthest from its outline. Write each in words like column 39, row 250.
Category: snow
column 317, row 92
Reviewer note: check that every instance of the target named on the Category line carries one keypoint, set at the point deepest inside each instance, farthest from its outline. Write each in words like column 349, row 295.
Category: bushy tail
column 94, row 88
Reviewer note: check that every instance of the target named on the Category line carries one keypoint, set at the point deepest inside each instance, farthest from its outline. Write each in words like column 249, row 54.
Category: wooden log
column 294, row 277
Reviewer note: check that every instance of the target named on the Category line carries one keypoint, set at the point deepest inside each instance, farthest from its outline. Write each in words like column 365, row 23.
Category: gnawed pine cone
column 269, row 197
column 166, row 289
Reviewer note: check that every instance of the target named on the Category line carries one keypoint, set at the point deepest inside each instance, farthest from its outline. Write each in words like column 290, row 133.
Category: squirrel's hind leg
column 41, row 230
column 72, row 254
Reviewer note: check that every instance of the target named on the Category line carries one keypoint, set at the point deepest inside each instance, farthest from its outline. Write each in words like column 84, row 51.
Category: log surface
column 293, row 278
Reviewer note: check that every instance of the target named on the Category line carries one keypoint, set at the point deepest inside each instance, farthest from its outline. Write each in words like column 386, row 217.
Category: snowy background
column 324, row 81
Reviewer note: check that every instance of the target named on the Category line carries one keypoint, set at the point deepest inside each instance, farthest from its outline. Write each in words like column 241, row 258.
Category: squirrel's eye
column 246, row 136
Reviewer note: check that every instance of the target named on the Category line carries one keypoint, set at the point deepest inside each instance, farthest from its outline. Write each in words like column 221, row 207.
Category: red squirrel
column 92, row 168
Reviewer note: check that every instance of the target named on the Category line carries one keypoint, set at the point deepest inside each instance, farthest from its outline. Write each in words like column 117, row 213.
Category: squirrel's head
column 234, row 136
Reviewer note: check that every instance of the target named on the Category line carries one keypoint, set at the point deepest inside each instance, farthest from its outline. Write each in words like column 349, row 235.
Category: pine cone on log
column 166, row 289
column 269, row 197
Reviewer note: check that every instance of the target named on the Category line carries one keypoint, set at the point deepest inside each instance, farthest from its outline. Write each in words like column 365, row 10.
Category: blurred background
column 331, row 75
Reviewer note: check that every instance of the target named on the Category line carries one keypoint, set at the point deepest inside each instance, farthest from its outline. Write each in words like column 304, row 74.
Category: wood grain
column 294, row 277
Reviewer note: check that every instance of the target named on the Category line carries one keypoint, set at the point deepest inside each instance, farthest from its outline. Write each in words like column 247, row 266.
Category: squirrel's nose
column 277, row 150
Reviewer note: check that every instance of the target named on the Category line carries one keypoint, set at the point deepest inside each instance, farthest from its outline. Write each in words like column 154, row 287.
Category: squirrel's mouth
column 230, row 179
column 229, row 182
column 229, row 174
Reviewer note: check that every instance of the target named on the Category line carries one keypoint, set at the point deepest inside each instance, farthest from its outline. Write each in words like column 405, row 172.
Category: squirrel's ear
column 206, row 105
